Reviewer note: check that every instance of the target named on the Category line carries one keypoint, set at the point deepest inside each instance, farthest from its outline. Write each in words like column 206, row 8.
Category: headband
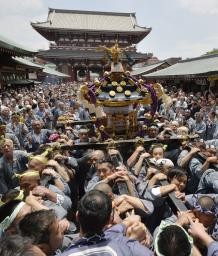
column 164, row 147
column 39, row 158
column 27, row 174
column 20, row 197
column 201, row 209
column 162, row 226
column 5, row 224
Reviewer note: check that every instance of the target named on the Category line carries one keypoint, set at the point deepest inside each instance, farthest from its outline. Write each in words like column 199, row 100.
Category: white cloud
column 201, row 6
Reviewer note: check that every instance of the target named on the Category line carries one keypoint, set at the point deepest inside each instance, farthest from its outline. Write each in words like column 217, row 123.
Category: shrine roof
column 71, row 54
column 27, row 62
column 44, row 68
column 13, row 48
column 90, row 21
column 196, row 66
column 147, row 68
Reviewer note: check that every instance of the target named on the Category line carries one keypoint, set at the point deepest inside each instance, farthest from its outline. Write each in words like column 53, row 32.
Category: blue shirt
column 7, row 170
column 213, row 249
column 111, row 243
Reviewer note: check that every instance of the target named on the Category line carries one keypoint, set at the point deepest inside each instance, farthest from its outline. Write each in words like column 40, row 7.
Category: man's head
column 174, row 125
column 157, row 151
column 37, row 126
column 104, row 168
column 7, row 147
column 17, row 245
column 165, row 165
column 198, row 116
column 83, row 134
column 187, row 113
column 153, row 131
column 5, row 112
column 43, row 227
column 41, row 106
column 38, row 163
column 10, row 215
column 173, row 240
column 94, row 212
column 104, row 187
column 61, row 106
column 2, row 128
column 15, row 117
column 205, row 210
column 29, row 180
column 182, row 131
column 13, row 102
column 178, row 177
column 95, row 156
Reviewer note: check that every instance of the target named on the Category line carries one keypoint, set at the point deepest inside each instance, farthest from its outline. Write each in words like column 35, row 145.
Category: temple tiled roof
column 91, row 55
column 44, row 68
column 147, row 68
column 27, row 62
column 91, row 21
column 13, row 48
column 191, row 67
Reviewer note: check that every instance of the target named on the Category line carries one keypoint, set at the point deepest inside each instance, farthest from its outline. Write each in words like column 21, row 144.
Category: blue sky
column 185, row 28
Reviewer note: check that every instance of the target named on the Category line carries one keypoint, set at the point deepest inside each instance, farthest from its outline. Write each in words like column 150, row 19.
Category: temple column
column 102, row 71
column 73, row 71
column 70, row 72
column 87, row 74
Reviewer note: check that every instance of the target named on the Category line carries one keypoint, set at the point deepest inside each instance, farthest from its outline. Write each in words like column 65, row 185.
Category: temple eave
column 40, row 29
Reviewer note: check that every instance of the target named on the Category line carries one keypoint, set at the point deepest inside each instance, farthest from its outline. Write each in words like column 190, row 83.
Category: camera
column 122, row 186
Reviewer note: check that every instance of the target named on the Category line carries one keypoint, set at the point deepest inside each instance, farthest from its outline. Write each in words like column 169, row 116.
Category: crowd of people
column 60, row 199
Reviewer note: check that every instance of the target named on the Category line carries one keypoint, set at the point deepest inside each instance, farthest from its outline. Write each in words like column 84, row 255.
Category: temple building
column 76, row 35
column 12, row 72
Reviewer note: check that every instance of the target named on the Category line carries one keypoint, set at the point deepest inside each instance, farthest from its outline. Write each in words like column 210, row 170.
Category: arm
column 61, row 198
column 197, row 230
column 93, row 182
column 130, row 186
column 202, row 129
column 3, row 184
column 140, row 162
column 135, row 202
column 164, row 190
column 157, row 177
column 15, row 141
column 34, row 203
column 59, row 169
column 52, row 196
column 28, row 141
column 131, row 161
column 197, row 168
column 184, row 160
column 58, row 183
column 24, row 129
column 56, row 177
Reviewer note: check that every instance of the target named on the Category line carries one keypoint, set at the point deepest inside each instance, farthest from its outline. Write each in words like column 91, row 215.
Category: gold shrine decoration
column 125, row 103
column 115, row 51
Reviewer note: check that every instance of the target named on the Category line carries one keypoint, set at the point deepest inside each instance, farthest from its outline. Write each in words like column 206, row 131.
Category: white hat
column 165, row 162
